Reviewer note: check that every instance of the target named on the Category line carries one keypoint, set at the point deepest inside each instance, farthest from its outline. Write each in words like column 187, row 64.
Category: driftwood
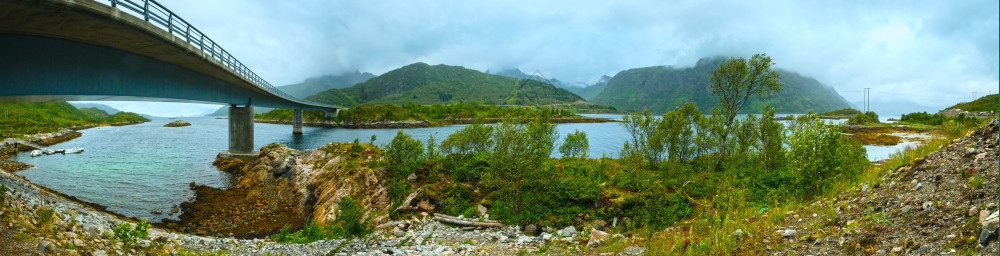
column 466, row 221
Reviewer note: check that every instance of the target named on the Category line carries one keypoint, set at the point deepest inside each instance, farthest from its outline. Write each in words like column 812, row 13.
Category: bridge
column 129, row 50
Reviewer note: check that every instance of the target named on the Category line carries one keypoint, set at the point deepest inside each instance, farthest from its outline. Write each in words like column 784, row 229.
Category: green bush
column 128, row 235
column 349, row 223
column 819, row 155
column 656, row 210
column 864, row 118
column 476, row 138
column 402, row 154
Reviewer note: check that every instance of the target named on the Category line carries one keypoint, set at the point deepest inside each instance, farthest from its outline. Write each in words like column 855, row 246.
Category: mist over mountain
column 315, row 85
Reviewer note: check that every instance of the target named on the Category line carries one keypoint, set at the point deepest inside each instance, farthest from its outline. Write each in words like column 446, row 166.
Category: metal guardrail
column 155, row 13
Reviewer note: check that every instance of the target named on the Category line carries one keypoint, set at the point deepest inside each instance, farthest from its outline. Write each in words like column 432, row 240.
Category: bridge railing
column 155, row 13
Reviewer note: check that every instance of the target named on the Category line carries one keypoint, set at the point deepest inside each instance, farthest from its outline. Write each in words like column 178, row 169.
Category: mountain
column 662, row 88
column 108, row 109
column 318, row 84
column 591, row 91
column 586, row 92
column 423, row 84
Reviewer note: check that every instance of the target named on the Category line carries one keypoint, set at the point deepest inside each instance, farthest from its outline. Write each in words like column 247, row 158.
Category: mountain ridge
column 662, row 88
column 424, row 84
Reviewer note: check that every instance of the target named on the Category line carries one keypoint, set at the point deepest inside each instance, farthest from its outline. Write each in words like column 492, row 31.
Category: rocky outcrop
column 283, row 186
column 336, row 171
column 260, row 200
column 178, row 123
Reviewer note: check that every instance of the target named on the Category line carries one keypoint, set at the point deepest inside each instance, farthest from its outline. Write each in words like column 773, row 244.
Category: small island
column 178, row 123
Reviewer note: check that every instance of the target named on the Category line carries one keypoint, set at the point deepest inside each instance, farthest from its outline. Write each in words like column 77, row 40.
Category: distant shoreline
column 424, row 123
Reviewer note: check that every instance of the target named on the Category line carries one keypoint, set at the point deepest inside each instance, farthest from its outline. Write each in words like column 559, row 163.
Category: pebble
column 927, row 205
column 788, row 233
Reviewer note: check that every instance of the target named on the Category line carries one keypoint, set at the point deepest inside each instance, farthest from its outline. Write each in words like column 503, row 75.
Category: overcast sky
column 932, row 53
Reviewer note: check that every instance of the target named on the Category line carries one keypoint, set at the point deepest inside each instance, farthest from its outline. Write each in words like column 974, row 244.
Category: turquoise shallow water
column 134, row 170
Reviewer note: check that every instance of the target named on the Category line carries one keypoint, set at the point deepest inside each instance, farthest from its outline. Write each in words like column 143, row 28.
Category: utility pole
column 867, row 99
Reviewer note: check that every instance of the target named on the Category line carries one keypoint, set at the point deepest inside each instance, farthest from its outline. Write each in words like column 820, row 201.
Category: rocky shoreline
column 422, row 123
column 77, row 228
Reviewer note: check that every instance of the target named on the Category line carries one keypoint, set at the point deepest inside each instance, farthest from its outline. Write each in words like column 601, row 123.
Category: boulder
column 989, row 229
column 566, row 232
column 596, row 237
column 532, row 229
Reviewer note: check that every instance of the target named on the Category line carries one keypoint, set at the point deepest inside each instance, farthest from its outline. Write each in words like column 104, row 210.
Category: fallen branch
column 466, row 222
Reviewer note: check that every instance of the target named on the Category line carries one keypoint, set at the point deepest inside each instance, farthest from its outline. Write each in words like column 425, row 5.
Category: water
column 134, row 170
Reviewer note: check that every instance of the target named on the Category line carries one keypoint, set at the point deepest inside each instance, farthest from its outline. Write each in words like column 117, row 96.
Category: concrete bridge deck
column 72, row 50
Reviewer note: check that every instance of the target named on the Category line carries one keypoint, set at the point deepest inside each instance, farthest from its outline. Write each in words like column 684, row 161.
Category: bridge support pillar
column 332, row 113
column 240, row 133
column 297, row 121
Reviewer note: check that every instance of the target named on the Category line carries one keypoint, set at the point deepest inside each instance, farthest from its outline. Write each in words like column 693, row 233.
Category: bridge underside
column 46, row 69
column 36, row 69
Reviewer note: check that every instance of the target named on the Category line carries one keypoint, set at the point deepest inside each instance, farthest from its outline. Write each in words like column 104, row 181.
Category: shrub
column 476, row 138
column 656, row 210
column 864, row 118
column 819, row 154
column 349, row 223
column 128, row 235
column 402, row 154
column 45, row 219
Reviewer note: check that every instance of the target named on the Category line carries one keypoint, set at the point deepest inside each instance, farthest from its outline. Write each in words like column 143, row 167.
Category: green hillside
column 38, row 117
column 318, row 84
column 663, row 88
column 986, row 103
column 424, row 84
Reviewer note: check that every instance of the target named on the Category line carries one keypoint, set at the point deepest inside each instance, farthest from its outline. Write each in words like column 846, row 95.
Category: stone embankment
column 941, row 204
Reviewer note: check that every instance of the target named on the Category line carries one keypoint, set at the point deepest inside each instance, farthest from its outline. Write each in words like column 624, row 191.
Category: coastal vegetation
column 682, row 166
column 986, row 103
column 869, row 117
column 19, row 119
column 459, row 112
column 844, row 112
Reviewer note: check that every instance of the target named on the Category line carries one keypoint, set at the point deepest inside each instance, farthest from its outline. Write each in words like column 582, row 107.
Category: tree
column 733, row 82
column 519, row 151
column 575, row 145
column 402, row 154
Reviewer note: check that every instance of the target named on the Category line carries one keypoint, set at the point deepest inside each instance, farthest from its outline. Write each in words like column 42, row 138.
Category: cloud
column 930, row 52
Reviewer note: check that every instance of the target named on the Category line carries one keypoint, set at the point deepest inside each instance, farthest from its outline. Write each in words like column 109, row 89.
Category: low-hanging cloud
column 934, row 53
